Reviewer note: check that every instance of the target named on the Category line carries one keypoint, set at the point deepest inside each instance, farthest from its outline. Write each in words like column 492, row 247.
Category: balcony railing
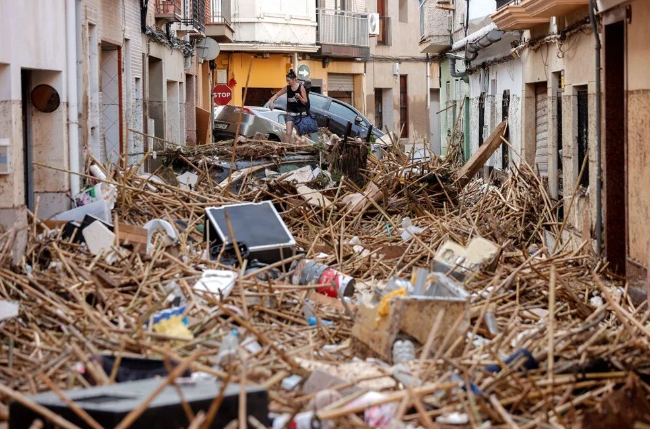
column 194, row 19
column 337, row 27
column 504, row 3
column 170, row 10
column 220, row 12
column 384, row 31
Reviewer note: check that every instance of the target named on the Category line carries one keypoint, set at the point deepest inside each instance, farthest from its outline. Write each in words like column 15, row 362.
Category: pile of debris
column 274, row 293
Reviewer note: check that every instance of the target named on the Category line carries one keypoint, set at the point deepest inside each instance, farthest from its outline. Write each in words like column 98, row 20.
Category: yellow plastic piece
column 382, row 308
column 174, row 327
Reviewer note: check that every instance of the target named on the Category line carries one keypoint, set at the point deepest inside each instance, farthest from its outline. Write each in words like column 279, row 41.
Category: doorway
column 28, row 147
column 615, row 146
column 505, row 109
column 156, row 106
column 379, row 108
column 403, row 106
column 481, row 118
column 110, row 105
column 541, row 128
column 341, row 87
column 434, row 121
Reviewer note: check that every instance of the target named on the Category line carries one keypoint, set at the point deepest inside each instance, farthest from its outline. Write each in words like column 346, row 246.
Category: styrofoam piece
column 99, row 209
column 187, row 180
column 217, row 282
column 8, row 310
column 98, row 238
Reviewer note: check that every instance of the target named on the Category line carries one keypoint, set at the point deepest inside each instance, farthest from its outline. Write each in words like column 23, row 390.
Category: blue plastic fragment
column 523, row 353
column 473, row 387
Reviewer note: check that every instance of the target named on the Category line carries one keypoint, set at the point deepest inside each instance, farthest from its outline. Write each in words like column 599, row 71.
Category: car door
column 340, row 115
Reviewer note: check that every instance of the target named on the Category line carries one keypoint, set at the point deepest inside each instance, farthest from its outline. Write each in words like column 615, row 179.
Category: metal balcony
column 336, row 27
column 193, row 21
column 219, row 24
column 169, row 10
column 504, row 3
column 220, row 12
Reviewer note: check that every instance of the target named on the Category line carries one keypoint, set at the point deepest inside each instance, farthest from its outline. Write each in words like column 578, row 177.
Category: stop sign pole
column 222, row 94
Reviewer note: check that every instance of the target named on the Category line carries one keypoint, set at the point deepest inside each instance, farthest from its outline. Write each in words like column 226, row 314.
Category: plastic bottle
column 491, row 320
column 310, row 316
column 228, row 350
column 403, row 351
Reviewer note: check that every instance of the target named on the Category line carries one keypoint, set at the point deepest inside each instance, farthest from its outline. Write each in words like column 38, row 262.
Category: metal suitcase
column 257, row 225
column 108, row 405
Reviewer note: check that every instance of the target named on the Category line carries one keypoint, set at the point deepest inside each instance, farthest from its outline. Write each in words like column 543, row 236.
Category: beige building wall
column 543, row 66
column 401, row 51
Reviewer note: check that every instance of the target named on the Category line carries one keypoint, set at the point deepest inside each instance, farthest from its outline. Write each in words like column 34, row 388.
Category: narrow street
column 324, row 214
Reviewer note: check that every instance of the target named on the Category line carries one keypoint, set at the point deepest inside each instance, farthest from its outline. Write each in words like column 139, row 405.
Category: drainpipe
column 472, row 44
column 467, row 18
column 452, row 69
column 599, row 216
column 71, row 81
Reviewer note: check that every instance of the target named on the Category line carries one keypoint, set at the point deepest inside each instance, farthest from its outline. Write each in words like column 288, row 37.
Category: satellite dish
column 208, row 49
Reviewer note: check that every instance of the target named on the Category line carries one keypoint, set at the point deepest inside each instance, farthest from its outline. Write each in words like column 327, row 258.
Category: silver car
column 253, row 120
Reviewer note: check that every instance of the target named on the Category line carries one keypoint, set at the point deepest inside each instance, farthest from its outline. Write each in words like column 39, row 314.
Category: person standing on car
column 297, row 102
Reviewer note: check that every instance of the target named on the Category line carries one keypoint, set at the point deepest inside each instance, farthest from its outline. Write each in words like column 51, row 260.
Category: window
column 403, row 11
column 342, row 5
column 344, row 112
column 316, row 101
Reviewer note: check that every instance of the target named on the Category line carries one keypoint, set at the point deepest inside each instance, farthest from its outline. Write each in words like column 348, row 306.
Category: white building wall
column 275, row 21
column 39, row 50
column 494, row 81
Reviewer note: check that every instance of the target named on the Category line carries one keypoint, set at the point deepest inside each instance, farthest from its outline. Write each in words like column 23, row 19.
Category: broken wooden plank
column 469, row 170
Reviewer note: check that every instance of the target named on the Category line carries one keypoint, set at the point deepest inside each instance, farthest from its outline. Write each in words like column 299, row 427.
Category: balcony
column 265, row 26
column 525, row 14
column 435, row 22
column 193, row 21
column 219, row 23
column 343, row 34
column 169, row 10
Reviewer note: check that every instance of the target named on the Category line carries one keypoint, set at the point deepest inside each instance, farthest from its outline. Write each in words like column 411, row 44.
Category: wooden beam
column 469, row 170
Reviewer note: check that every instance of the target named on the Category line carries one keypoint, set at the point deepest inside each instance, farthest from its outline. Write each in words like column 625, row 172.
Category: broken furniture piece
column 384, row 318
column 458, row 261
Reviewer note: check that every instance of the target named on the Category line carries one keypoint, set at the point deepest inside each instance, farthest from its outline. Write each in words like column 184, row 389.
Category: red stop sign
column 222, row 94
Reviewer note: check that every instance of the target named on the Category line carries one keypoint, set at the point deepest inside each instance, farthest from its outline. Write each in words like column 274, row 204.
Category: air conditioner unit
column 373, row 24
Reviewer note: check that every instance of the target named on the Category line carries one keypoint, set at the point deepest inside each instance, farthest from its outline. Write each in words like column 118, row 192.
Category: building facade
column 398, row 74
column 625, row 58
column 533, row 62
column 95, row 78
column 347, row 59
